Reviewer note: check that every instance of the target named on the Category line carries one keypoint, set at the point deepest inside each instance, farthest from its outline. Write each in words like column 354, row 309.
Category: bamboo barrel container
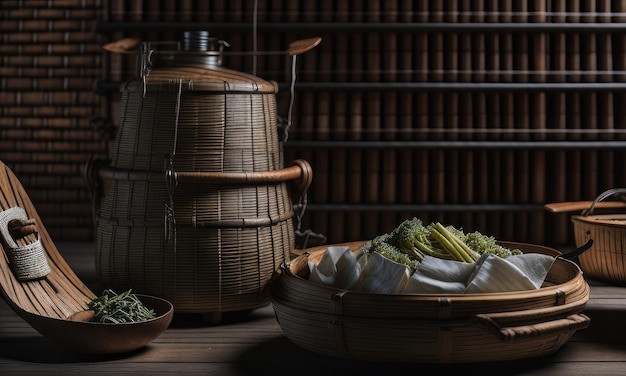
column 198, row 204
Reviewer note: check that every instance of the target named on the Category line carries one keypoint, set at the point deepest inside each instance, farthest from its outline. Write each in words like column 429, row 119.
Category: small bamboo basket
column 605, row 260
column 429, row 328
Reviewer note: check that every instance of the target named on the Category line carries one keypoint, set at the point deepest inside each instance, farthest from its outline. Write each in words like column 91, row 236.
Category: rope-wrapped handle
column 620, row 192
column 27, row 261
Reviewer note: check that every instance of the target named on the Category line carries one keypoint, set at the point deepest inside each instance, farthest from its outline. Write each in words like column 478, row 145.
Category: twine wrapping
column 28, row 261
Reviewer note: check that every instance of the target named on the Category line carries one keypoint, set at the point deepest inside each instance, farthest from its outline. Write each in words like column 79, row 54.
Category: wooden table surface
column 253, row 344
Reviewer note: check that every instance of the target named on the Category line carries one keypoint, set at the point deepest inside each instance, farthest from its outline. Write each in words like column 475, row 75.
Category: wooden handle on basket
column 299, row 170
column 302, row 184
column 496, row 323
column 569, row 206
column 301, row 46
column 570, row 323
column 123, row 45
column 297, row 47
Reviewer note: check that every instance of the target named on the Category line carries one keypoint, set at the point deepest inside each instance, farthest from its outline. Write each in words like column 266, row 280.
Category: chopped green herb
column 119, row 308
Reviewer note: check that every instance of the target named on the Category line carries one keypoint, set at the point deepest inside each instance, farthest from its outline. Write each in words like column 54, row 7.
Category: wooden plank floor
column 253, row 344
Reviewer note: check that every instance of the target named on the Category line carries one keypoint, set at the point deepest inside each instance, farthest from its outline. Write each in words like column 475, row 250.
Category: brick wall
column 51, row 59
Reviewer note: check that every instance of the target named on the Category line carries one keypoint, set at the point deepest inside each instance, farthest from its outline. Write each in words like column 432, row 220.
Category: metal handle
column 608, row 193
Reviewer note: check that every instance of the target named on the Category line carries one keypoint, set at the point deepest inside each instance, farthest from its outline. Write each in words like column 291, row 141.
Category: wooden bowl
column 90, row 337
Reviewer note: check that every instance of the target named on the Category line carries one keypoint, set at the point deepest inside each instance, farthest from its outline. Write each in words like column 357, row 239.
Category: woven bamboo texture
column 606, row 259
column 209, row 122
column 57, row 295
column 429, row 328
column 198, row 207
column 49, row 302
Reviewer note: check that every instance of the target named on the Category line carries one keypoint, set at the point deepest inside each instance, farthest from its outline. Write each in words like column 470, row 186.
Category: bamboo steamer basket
column 430, row 328
column 605, row 260
column 198, row 203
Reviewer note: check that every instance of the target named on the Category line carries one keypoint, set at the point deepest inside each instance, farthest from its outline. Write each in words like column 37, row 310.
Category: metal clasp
column 144, row 65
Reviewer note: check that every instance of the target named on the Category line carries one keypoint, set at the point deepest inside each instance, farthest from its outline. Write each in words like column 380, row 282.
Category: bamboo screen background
column 471, row 113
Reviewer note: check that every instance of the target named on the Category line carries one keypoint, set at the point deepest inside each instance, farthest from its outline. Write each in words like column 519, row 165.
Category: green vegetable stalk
column 411, row 241
column 455, row 245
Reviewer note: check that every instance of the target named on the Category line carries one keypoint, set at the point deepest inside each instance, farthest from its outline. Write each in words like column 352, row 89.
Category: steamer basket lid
column 215, row 79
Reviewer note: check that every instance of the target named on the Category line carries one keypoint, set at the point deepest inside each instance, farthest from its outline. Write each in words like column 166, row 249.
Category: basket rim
column 601, row 219
column 512, row 295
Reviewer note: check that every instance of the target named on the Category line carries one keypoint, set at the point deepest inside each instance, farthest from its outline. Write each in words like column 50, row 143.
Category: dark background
column 471, row 113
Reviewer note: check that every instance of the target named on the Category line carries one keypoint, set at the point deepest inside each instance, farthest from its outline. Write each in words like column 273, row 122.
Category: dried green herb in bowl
column 114, row 308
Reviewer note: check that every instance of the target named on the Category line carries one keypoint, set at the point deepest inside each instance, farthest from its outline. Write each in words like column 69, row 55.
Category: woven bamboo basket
column 198, row 204
column 429, row 328
column 605, row 260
